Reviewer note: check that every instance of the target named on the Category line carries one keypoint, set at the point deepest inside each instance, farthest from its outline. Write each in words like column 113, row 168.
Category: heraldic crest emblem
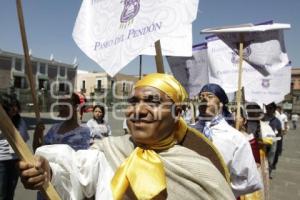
column 131, row 9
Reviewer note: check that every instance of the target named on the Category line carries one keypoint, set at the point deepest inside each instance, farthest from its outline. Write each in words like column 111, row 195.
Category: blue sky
column 49, row 25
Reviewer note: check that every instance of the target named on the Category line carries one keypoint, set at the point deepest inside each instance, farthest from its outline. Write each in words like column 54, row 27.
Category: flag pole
column 140, row 67
column 12, row 135
column 28, row 67
column 159, row 58
column 239, row 91
column 16, row 141
column 37, row 139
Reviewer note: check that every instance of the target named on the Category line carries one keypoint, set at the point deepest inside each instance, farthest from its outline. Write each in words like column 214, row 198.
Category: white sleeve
column 75, row 174
column 91, row 127
column 285, row 119
column 108, row 129
column 245, row 177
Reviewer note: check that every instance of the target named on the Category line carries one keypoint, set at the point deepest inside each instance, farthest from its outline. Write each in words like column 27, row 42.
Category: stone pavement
column 285, row 184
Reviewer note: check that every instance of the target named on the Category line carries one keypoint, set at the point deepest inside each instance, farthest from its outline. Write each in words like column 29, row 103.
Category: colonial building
column 295, row 90
column 100, row 87
column 51, row 78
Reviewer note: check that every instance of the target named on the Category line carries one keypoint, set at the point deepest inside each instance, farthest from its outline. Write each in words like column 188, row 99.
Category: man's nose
column 140, row 107
column 203, row 99
column 140, row 110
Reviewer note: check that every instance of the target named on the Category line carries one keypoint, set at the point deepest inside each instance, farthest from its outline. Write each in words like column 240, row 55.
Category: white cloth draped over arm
column 78, row 174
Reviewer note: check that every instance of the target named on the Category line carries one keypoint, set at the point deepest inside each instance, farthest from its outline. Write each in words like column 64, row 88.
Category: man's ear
column 221, row 105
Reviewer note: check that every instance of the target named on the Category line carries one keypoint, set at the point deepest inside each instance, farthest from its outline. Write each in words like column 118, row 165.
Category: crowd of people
column 151, row 160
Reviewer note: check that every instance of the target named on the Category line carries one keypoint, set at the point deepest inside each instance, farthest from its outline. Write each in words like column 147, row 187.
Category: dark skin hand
column 34, row 176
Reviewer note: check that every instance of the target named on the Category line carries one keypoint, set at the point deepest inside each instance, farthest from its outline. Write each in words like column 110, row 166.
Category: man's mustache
column 141, row 118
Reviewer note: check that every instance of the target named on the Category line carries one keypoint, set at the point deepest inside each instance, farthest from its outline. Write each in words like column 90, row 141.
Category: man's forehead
column 146, row 92
column 206, row 93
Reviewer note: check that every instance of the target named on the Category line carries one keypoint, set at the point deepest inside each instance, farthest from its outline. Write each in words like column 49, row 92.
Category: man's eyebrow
column 151, row 97
column 133, row 99
column 146, row 97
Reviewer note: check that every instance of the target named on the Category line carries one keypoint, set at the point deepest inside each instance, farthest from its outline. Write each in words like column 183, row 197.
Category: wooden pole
column 140, row 68
column 21, row 149
column 37, row 139
column 13, row 137
column 27, row 60
column 159, row 58
column 239, row 91
column 193, row 120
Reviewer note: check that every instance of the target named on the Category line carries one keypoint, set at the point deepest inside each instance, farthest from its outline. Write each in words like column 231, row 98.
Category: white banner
column 264, row 47
column 191, row 72
column 269, row 89
column 224, row 64
column 247, row 28
column 113, row 33
column 178, row 43
column 264, row 51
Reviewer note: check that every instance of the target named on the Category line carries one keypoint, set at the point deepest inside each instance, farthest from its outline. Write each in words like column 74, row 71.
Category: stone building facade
column 51, row 78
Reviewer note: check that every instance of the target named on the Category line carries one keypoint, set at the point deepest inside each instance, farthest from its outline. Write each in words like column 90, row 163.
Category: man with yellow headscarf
column 149, row 163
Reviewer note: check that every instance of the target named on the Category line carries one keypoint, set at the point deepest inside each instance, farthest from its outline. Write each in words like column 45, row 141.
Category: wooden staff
column 159, row 58
column 37, row 139
column 193, row 112
column 28, row 66
column 140, row 67
column 13, row 137
column 21, row 149
column 239, row 91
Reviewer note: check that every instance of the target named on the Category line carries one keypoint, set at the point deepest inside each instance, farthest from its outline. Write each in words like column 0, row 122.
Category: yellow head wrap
column 143, row 170
column 165, row 83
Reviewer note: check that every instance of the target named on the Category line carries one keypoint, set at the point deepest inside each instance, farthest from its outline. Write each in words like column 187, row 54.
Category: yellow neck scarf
column 143, row 170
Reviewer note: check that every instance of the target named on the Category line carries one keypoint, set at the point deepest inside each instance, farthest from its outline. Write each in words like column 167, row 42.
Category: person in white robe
column 148, row 163
column 231, row 143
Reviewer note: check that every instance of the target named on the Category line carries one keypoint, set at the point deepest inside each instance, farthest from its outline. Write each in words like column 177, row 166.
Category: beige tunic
column 86, row 173
column 189, row 175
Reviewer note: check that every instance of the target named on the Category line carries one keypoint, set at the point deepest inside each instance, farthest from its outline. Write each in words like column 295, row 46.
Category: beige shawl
column 189, row 175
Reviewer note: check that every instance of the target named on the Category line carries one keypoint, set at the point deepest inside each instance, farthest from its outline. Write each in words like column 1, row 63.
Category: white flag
column 224, row 66
column 191, row 72
column 113, row 33
column 178, row 43
column 270, row 89
column 264, row 47
column 264, row 51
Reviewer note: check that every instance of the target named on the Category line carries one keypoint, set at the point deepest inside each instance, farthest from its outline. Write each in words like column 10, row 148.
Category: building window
column 63, row 87
column 99, row 82
column 5, row 63
column 42, row 68
column 20, row 82
column 62, row 71
column 52, row 71
column 83, row 84
column 43, row 84
column 34, row 67
column 112, row 84
column 124, row 87
column 18, row 64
